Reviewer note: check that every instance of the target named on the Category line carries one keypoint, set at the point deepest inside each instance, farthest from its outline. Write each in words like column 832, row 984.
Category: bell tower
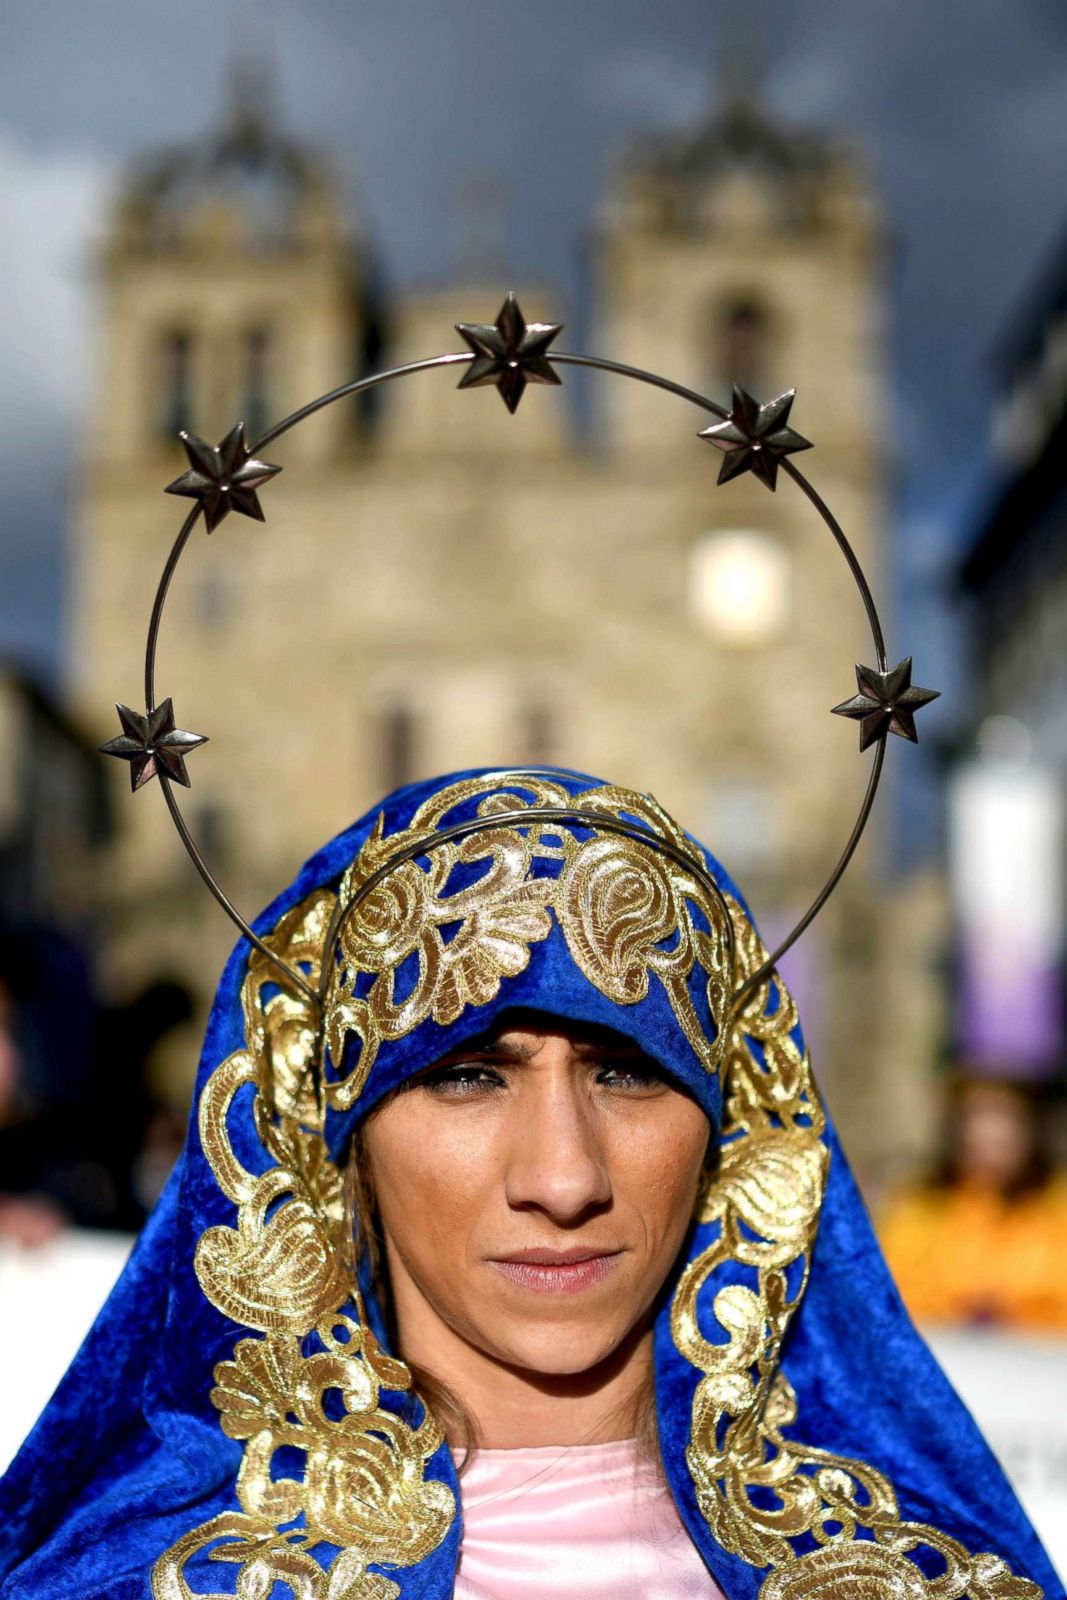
column 233, row 283
column 741, row 251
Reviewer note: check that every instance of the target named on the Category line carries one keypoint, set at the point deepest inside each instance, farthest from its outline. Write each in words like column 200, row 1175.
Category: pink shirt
column 578, row 1522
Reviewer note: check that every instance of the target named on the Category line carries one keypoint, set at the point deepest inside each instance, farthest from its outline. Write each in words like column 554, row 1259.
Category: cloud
column 50, row 208
column 647, row 86
column 1033, row 118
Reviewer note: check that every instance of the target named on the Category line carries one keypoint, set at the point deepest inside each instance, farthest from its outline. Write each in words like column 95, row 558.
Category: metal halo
column 375, row 380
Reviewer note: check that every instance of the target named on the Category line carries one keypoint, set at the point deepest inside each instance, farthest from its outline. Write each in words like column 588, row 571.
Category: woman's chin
column 562, row 1351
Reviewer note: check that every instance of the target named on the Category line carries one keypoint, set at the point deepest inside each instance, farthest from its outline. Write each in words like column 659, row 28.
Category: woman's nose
column 556, row 1163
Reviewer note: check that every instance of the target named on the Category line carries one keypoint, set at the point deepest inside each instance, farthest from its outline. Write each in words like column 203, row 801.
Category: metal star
column 152, row 744
column 886, row 702
column 223, row 477
column 755, row 437
column 509, row 353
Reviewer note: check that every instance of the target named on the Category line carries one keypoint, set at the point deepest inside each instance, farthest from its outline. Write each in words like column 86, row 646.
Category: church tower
column 744, row 252
column 233, row 285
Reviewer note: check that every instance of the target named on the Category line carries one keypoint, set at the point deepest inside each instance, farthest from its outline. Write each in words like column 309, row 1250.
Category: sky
column 959, row 112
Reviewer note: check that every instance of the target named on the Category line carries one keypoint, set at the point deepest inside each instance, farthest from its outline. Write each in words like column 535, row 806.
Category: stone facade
column 440, row 584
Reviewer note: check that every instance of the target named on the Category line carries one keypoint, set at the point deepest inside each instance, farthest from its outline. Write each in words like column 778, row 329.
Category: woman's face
column 534, row 1189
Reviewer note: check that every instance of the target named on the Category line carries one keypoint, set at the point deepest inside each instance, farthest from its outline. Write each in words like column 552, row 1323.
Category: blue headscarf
column 235, row 1424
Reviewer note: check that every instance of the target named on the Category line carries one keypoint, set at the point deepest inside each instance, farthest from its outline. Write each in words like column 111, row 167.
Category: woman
column 536, row 1159
column 982, row 1241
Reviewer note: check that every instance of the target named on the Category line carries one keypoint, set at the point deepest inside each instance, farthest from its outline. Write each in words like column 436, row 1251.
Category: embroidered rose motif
column 856, row 1571
column 362, row 1485
column 359, row 1491
column 775, row 1185
column 278, row 1273
column 387, row 924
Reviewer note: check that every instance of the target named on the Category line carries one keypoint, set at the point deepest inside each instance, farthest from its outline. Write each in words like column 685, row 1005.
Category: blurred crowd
column 86, row 1139
column 981, row 1242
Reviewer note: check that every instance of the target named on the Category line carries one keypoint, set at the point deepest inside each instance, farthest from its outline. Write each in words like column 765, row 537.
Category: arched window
column 538, row 733
column 214, row 598
column 739, row 582
column 175, row 386
column 211, row 826
column 742, row 819
column 397, row 745
column 740, row 343
column 255, row 407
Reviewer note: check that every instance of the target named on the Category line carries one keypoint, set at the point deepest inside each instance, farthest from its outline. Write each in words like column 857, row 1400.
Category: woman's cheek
column 428, row 1202
column 660, row 1166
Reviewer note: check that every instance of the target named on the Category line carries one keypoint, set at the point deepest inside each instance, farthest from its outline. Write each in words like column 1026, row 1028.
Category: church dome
column 743, row 135
column 246, row 170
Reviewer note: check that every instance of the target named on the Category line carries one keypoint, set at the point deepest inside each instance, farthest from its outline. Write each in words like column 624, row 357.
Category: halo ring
column 599, row 364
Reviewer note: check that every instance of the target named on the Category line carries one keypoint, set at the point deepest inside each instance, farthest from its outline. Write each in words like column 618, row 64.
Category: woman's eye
column 631, row 1075
column 465, row 1078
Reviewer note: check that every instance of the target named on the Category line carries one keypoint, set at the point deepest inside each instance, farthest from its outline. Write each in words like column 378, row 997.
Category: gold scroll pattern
column 624, row 910
column 765, row 1196
column 286, row 1271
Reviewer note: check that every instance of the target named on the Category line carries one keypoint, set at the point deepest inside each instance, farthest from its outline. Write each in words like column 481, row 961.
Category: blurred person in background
column 983, row 1241
column 82, row 1140
column 47, row 1021
column 26, row 1218
column 136, row 1136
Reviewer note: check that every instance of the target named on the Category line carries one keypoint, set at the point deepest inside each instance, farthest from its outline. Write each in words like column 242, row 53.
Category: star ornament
column 754, row 438
column 886, row 703
column 223, row 477
column 152, row 745
column 509, row 353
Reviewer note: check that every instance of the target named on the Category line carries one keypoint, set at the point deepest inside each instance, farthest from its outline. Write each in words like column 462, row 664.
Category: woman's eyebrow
column 501, row 1048
column 607, row 1047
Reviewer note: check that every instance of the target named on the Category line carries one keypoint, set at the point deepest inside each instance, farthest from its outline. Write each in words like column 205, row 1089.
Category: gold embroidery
column 757, row 1490
column 867, row 1571
column 851, row 1572
column 285, row 1271
column 627, row 914
column 624, row 910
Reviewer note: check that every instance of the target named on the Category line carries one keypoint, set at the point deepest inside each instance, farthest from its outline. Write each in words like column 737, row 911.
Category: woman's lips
column 557, row 1271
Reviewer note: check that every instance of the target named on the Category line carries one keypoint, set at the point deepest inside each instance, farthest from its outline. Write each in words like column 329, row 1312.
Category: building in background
column 980, row 1241
column 441, row 584
column 1008, row 801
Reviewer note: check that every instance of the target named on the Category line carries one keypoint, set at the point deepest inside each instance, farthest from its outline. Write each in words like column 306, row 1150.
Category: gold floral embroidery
column 765, row 1197
column 285, row 1269
column 867, row 1571
column 626, row 913
column 852, row 1572
column 624, row 910
column 285, row 1272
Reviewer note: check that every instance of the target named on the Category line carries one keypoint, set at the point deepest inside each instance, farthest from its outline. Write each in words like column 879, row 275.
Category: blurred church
column 440, row 583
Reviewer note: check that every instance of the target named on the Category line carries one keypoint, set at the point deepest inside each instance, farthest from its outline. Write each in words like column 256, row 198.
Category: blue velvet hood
column 235, row 1425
